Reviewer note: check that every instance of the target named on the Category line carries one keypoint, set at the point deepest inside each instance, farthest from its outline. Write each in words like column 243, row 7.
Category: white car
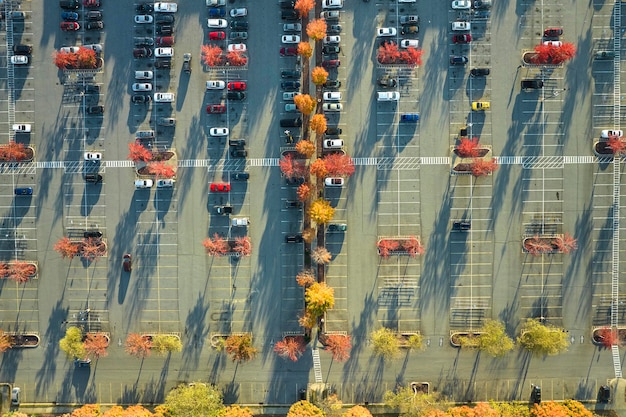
column 292, row 27
column 330, row 15
column 97, row 47
column 215, row 85
column 19, row 60
column 142, row 87
column 386, row 31
column 22, row 128
column 143, row 18
column 332, row 39
column 237, row 47
column 290, row 107
column 163, row 52
column 409, row 43
column 93, row 156
column 165, row 183
column 605, row 134
column 291, row 39
column 143, row 183
column 218, row 131
column 240, row 12
column 217, row 23
column 240, row 221
column 333, row 182
column 332, row 96
column 215, row 3
column 557, row 44
column 332, row 4
column 290, row 95
column 70, row 49
column 461, row 4
column 143, row 75
column 333, row 144
column 388, row 96
column 461, row 26
column 164, row 97
column 162, row 7
column 332, row 107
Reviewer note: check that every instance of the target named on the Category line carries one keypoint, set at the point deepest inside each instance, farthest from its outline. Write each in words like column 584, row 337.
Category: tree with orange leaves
column 616, row 144
column 216, row 246
column 243, row 246
column 357, row 410
column 554, row 55
column 549, row 409
column 211, row 55
column 388, row 53
column 237, row 411
column 566, row 244
column 65, row 60
column 138, row 152
column 339, row 345
column 481, row 167
column 161, row 169
column 236, row 58
column 291, row 347
column 86, row 58
column 386, row 247
column 17, row 271
column 318, row 168
column 291, row 167
column 411, row 56
column 240, row 347
column 316, row 29
column 305, row 278
column 318, row 123
column 137, row 411
column 304, row 103
column 138, row 345
column 319, row 75
column 5, row 341
column 13, row 152
column 66, row 248
column 87, row 410
column 537, row 246
column 321, row 255
column 339, row 164
column 306, row 148
column 413, row 246
column 305, row 49
column 304, row 7
column 321, row 211
column 92, row 248
column 96, row 345
column 467, row 148
column 607, row 337
column 307, row 320
column 304, row 191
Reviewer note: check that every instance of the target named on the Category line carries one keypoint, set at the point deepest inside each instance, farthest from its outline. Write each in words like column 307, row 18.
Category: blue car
column 24, row 191
column 410, row 117
column 216, row 12
column 69, row 16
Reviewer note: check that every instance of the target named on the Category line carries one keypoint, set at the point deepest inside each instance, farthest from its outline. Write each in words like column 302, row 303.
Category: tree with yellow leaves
column 304, row 409
column 321, row 211
column 357, row 411
column 236, row 411
column 304, row 103
column 165, row 343
column 385, row 343
column 319, row 75
column 87, row 410
column 240, row 348
column 304, row 7
column 305, row 148
column 305, row 49
column 72, row 343
column 115, row 411
column 316, row 29
column 318, row 123
column 542, row 339
column 319, row 298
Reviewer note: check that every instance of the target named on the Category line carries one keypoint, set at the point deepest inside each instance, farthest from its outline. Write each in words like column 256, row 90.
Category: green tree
column 319, row 298
column 411, row 404
column 72, row 343
column 194, row 400
column 165, row 343
column 493, row 339
column 542, row 339
column 304, row 409
column 385, row 343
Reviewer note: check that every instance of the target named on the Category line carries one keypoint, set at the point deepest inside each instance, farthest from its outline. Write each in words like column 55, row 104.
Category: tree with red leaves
column 138, row 345
column 537, row 246
column 607, row 337
column 339, row 164
column 481, row 167
column 17, row 271
column 216, row 246
column 236, row 59
column 92, row 248
column 318, row 168
column 65, row 60
column 339, row 346
column 616, row 144
column 291, row 347
column 316, row 29
column 386, row 246
column 413, row 246
column 86, row 58
column 243, row 246
column 566, row 244
column 411, row 56
column 138, row 152
column 291, row 167
column 66, row 248
column 388, row 53
column 96, row 345
column 304, row 191
column 467, row 148
column 211, row 55
column 13, row 152
column 161, row 169
column 554, row 55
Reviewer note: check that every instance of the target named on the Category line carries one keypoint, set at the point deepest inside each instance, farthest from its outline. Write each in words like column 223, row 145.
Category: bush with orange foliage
column 319, row 76
column 554, row 55
column 85, row 58
column 137, row 411
column 607, row 337
column 65, row 60
column 339, row 164
column 216, row 246
column 413, row 246
column 551, row 409
column 138, row 152
column 305, row 278
column 161, row 169
column 240, row 348
column 388, row 53
column 291, row 167
column 236, row 58
column 411, row 56
column 87, row 410
column 537, row 245
column 318, row 124
column 17, row 271
column 566, row 244
column 306, row 148
column 243, row 246
column 291, row 347
column 318, row 168
column 305, row 49
column 211, row 55
column 467, row 148
column 616, row 144
column 13, row 152
column 138, row 345
column 481, row 167
column 321, row 255
column 304, row 191
column 5, row 341
column 316, row 29
column 96, row 345
column 304, row 103
column 92, row 248
column 66, row 248
column 237, row 411
column 386, row 246
column 339, row 346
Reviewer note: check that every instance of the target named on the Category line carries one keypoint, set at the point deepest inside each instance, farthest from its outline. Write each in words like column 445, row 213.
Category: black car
column 332, row 84
column 461, row 225
column 290, row 85
column 536, row 394
column 95, row 109
column 333, row 29
column 295, row 180
column 289, row 15
column 482, row 4
column 294, row 238
column 144, row 8
column 293, row 204
column 163, row 63
column 93, row 15
column 141, row 99
column 604, row 395
column 291, row 122
column 237, row 143
column 164, row 29
column 92, row 233
column 532, row 84
column 331, row 49
column 164, row 18
column 69, row 4
column 287, row 4
column 236, row 95
column 238, row 153
column 290, row 74
column 144, row 41
column 387, row 82
column 481, row 14
column 142, row 52
column 333, row 131
column 92, row 89
column 409, row 29
column 22, row 49
column 239, row 25
column 241, row 176
column 479, row 72
column 458, row 60
column 337, row 227
column 94, row 25
column 94, row 178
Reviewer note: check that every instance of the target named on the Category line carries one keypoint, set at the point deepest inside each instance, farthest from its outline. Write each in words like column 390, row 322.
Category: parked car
column 224, row 210
column 238, row 36
column 145, row 134
column 481, row 14
column 556, row 44
column 217, row 23
column 92, row 156
column 411, row 43
column 333, row 29
column 143, row 41
column 142, row 52
column 332, row 144
column 332, row 4
column 237, row 47
column 290, row 85
column 21, row 49
column 481, row 105
column 95, row 109
column 458, row 60
column 531, row 84
column 291, row 122
column 91, row 3
column 142, row 87
column 219, row 187
column 236, row 95
column 604, row 55
column 292, row 27
column 218, row 131
column 479, row 72
column 288, row 96
column 239, row 25
column 461, row 26
column 290, row 39
column 164, row 29
column 143, row 19
column 187, row 62
column 69, row 4
column 337, row 227
column 93, row 178
column 23, row 191
column 164, row 52
column 69, row 26
column 606, row 134
column 162, row 63
column 288, row 51
column 215, row 85
column 69, row 16
column 144, row 183
column 93, row 15
column 464, row 38
column 408, row 30
column 290, row 107
column 461, row 4
column 331, row 63
column 332, row 107
column 15, row 396
column 333, row 131
column 141, row 99
column 289, row 15
column 333, row 182
column 290, row 74
column 332, row 96
column 22, row 128
column 461, row 226
column 482, row 4
column 96, row 47
column 162, row 7
column 237, row 86
column 164, row 97
column 165, row 183
column 409, row 20
column 387, row 82
column 239, row 12
column 216, row 12
column 164, row 18
column 387, row 96
column 94, row 25
column 217, row 35
column 237, row 143
column 287, row 4
column 297, row 238
column 330, row 15
column 409, row 117
column 241, row 176
column 331, row 49
column 332, row 84
column 144, row 8
column 19, row 60
column 386, row 31
column 166, row 121
column 216, row 108
column 127, row 262
column 144, row 75
column 332, row 39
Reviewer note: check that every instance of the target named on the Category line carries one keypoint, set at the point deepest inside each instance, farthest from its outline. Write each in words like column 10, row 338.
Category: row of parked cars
column 91, row 19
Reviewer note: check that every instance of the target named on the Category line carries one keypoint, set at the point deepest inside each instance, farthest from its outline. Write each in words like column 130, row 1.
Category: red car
column 165, row 40
column 237, row 86
column 553, row 32
column 286, row 51
column 331, row 63
column 128, row 262
column 217, row 36
column 220, row 187
column 91, row 3
column 69, row 26
column 464, row 38
column 215, row 108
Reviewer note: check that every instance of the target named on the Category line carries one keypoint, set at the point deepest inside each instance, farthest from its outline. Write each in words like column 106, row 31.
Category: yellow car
column 480, row 105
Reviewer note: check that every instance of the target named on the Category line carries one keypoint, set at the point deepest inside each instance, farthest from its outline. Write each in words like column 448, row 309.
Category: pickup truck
column 224, row 210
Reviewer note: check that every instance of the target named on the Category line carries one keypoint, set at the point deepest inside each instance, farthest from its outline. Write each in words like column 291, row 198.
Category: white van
column 22, row 128
column 164, row 97
column 388, row 96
